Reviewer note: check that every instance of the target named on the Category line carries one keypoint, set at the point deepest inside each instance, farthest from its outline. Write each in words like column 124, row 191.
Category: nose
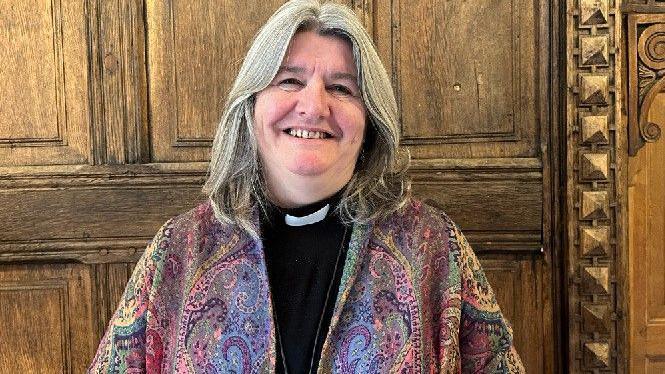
column 313, row 102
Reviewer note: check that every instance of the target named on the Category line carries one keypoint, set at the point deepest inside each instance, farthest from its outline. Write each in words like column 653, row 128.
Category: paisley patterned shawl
column 413, row 298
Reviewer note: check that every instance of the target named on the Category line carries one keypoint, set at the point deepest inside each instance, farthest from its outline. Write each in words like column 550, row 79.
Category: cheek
column 355, row 126
column 269, row 109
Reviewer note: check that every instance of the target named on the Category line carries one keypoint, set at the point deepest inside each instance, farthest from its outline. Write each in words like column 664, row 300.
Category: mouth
column 307, row 134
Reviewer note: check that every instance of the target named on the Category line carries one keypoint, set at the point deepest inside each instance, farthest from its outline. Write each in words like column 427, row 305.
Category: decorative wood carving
column 595, row 326
column 646, row 76
column 594, row 241
column 643, row 6
column 596, row 318
column 595, row 129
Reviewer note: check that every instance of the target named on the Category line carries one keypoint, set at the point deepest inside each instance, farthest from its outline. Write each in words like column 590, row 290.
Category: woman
column 309, row 254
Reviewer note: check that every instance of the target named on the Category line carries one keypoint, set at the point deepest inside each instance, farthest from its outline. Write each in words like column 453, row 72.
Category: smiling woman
column 309, row 254
column 310, row 121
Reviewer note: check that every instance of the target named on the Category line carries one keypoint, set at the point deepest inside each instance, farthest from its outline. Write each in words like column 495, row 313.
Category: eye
column 341, row 90
column 290, row 84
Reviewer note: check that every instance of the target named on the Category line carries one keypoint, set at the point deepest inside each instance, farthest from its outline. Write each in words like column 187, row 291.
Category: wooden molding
column 595, row 156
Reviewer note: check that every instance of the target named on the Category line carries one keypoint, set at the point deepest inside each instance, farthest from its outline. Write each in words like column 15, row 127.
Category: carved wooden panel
column 468, row 76
column 46, row 319
column 502, row 225
column 594, row 147
column 646, row 226
column 43, row 95
column 646, row 76
column 194, row 53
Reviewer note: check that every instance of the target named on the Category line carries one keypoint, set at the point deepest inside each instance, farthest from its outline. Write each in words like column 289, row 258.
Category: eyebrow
column 300, row 70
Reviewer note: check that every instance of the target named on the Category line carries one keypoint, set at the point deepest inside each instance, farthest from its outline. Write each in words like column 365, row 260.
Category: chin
column 308, row 170
column 308, row 165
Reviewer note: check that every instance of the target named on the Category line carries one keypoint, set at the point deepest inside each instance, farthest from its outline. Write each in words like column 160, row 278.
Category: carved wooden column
column 594, row 188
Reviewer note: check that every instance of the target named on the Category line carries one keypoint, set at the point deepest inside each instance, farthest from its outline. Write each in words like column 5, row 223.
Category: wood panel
column 135, row 89
column 468, row 76
column 98, row 220
column 43, row 95
column 195, row 51
column 646, row 225
column 46, row 319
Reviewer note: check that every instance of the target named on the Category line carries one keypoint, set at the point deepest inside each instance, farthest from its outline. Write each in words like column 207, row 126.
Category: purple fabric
column 413, row 298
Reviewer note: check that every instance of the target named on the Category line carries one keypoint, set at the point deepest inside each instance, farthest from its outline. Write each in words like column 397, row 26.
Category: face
column 310, row 121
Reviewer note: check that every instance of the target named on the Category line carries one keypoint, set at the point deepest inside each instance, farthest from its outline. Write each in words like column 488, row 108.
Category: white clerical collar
column 309, row 219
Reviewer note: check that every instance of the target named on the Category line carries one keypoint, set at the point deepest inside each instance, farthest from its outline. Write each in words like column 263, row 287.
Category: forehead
column 308, row 49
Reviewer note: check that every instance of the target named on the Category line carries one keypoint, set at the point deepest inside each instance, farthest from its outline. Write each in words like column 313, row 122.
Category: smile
column 304, row 134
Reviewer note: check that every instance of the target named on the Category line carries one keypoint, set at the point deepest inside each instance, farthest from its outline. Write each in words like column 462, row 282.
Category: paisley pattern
column 413, row 299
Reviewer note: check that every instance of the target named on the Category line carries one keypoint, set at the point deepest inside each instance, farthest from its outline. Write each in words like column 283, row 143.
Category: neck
column 310, row 190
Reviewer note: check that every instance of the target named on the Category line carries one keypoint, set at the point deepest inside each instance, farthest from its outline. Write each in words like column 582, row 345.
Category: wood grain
column 646, row 222
column 118, row 143
column 43, row 101
column 194, row 53
column 505, row 205
column 46, row 319
column 468, row 77
column 80, row 213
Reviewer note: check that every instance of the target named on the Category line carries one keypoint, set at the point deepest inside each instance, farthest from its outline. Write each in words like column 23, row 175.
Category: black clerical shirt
column 301, row 266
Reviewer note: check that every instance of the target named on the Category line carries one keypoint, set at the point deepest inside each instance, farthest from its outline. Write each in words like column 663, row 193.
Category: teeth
column 299, row 133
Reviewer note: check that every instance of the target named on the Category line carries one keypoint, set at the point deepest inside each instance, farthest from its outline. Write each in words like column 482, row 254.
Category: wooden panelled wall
column 108, row 109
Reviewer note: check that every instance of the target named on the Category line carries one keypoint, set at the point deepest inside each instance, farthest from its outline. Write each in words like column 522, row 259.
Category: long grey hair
column 379, row 185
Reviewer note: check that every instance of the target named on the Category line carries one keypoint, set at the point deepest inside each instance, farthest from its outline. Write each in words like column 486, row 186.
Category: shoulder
column 419, row 231
column 199, row 221
column 417, row 216
column 196, row 231
column 200, row 216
